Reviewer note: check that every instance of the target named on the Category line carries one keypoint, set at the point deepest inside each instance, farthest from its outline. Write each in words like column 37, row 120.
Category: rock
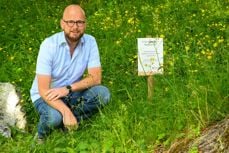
column 214, row 139
column 11, row 114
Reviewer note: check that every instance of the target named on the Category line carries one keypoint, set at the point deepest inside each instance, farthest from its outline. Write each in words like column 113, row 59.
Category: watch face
column 69, row 88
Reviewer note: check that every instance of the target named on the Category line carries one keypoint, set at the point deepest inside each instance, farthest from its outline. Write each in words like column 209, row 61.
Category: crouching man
column 60, row 93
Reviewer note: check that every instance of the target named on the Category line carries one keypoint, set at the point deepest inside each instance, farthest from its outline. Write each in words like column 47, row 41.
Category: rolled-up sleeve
column 44, row 59
column 94, row 58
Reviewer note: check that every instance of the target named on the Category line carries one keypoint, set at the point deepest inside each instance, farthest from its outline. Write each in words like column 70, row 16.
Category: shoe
column 39, row 139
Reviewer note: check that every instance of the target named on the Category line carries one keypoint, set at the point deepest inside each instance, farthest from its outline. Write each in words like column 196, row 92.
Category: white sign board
column 150, row 56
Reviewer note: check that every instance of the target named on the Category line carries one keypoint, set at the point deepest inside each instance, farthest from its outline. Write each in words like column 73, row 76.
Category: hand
column 56, row 93
column 69, row 120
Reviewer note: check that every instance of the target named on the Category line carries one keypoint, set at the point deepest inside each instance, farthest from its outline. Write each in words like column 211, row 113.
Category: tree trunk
column 214, row 139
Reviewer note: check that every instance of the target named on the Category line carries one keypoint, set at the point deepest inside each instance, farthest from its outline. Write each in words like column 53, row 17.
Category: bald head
column 73, row 23
column 73, row 10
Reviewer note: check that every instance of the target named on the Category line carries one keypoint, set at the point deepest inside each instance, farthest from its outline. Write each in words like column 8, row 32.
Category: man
column 60, row 93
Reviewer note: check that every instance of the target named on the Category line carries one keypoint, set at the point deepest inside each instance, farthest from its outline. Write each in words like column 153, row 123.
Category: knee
column 54, row 118
column 106, row 95
column 103, row 93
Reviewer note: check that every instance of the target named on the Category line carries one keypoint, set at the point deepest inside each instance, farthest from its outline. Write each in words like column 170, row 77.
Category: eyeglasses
column 71, row 23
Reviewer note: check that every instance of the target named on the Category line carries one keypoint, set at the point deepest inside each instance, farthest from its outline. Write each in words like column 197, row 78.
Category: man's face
column 73, row 24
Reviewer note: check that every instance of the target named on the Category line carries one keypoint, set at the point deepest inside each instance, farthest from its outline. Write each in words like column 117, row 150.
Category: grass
column 191, row 94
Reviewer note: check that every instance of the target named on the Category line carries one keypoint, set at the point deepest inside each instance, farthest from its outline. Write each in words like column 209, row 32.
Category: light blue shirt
column 54, row 59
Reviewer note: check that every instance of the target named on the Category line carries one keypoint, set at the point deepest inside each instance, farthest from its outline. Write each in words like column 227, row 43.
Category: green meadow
column 190, row 95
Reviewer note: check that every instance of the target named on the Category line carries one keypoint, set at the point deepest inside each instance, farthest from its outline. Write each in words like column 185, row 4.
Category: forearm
column 52, row 96
column 57, row 104
column 87, row 82
column 69, row 119
column 60, row 106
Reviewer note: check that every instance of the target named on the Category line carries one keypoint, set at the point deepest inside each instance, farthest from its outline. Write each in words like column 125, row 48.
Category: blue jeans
column 82, row 104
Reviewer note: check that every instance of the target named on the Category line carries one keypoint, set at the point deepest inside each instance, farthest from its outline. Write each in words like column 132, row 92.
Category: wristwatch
column 69, row 88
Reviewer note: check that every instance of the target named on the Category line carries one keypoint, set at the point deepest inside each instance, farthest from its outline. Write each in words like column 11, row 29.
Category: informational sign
column 150, row 56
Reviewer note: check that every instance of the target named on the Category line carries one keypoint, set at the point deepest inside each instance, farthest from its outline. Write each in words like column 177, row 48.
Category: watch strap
column 69, row 88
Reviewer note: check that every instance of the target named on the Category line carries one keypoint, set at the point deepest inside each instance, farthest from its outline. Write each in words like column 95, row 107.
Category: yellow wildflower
column 209, row 57
column 221, row 40
column 187, row 48
column 11, row 58
column 215, row 44
column 162, row 36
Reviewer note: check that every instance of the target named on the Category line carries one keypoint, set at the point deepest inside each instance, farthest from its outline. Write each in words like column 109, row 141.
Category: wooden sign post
column 150, row 87
column 150, row 60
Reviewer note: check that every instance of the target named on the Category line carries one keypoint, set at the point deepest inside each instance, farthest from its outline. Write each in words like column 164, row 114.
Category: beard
column 74, row 38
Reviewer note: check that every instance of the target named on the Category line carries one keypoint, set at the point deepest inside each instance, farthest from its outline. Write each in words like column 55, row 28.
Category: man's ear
column 62, row 24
